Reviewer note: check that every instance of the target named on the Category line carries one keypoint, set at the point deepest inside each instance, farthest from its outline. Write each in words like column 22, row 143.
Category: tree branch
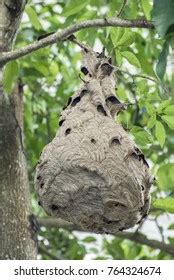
column 136, row 237
column 142, row 239
column 65, row 33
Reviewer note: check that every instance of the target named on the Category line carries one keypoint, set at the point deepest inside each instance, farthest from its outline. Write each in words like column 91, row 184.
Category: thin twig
column 44, row 250
column 136, row 113
column 160, row 229
column 83, row 46
column 145, row 77
column 159, row 83
column 131, row 88
column 65, row 33
column 122, row 8
column 136, row 75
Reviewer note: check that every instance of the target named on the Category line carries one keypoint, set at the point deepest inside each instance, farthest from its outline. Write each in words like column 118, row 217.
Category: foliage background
column 51, row 75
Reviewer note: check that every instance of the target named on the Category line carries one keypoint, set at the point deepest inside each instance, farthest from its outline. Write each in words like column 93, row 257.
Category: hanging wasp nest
column 92, row 174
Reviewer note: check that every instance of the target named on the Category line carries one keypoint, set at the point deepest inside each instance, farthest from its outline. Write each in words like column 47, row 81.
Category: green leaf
column 118, row 57
column 121, row 94
column 146, row 8
column 74, row 7
column 89, row 239
column 142, row 86
column 42, row 69
column 163, row 105
column 141, row 136
column 127, row 39
column 146, row 64
column 171, row 240
column 162, row 15
column 10, row 76
column 165, row 175
column 53, row 69
column 169, row 110
column 133, row 6
column 162, row 60
column 171, row 227
column 160, row 133
column 166, row 204
column 154, row 97
column 152, row 121
column 116, row 34
column 169, row 120
column 131, row 58
column 33, row 18
column 135, row 129
column 150, row 109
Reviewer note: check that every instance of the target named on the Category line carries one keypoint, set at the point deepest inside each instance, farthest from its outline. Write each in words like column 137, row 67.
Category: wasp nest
column 92, row 174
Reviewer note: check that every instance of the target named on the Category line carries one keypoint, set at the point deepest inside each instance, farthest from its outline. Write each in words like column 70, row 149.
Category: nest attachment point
column 92, row 174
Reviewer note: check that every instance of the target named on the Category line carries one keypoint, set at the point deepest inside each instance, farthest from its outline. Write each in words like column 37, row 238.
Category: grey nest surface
column 92, row 174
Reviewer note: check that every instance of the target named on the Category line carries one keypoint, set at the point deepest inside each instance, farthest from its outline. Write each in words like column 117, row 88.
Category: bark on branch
column 136, row 237
column 65, row 33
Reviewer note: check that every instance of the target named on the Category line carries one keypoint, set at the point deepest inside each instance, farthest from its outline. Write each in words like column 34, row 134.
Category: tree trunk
column 17, row 228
